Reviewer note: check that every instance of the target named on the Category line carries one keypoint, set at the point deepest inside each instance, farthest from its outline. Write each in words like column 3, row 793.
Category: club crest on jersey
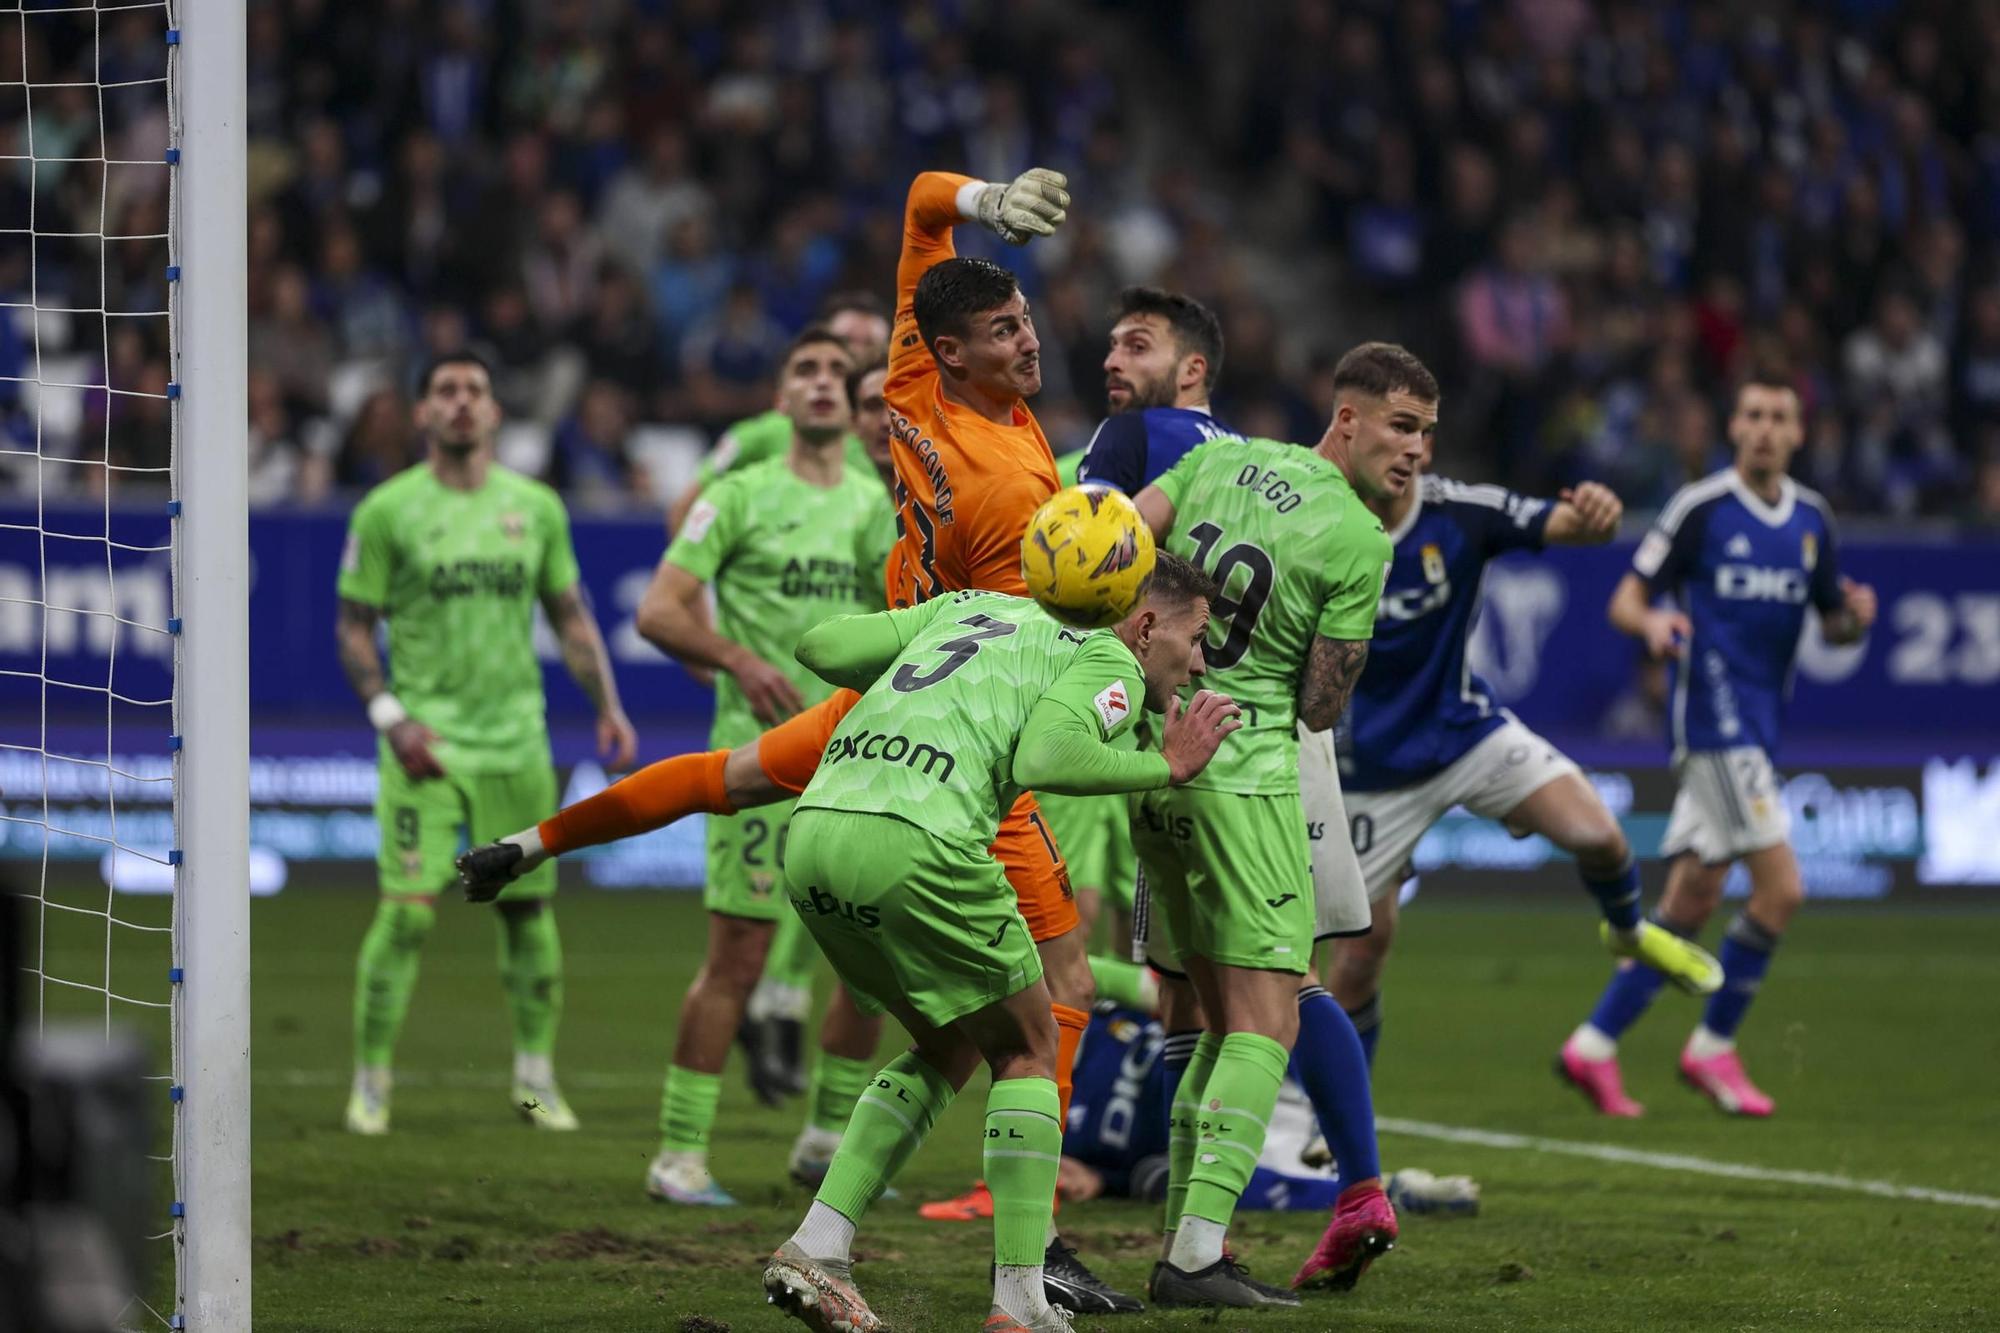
column 1113, row 706
column 1433, row 563
column 513, row 525
column 1809, row 551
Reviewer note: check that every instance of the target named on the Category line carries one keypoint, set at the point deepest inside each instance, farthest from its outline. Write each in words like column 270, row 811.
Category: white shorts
column 1340, row 895
column 1490, row 779
column 1729, row 804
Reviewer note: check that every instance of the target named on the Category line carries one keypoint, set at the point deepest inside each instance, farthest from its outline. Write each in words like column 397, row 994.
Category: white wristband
column 967, row 199
column 385, row 710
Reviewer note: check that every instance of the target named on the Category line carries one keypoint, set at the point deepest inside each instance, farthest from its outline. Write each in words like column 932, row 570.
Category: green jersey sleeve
column 751, row 440
column 709, row 536
column 1354, row 577
column 851, row 651
column 559, row 567
column 1174, row 482
column 1063, row 745
column 368, row 559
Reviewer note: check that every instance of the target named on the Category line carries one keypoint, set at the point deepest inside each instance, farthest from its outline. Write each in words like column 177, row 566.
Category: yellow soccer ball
column 1087, row 556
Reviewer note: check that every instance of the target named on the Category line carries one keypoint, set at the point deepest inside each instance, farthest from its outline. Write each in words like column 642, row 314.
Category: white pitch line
column 1667, row 1161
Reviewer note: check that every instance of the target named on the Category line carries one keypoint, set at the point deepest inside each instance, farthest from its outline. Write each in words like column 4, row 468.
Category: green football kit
column 783, row 555
column 458, row 575
column 970, row 699
column 1296, row 555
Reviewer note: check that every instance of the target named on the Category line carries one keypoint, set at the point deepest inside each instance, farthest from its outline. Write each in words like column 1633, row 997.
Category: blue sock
column 1367, row 1020
column 1746, row 952
column 1333, row 1069
column 1618, row 897
column 1631, row 988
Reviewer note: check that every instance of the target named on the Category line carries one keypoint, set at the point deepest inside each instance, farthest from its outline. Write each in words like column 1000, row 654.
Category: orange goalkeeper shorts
column 789, row 752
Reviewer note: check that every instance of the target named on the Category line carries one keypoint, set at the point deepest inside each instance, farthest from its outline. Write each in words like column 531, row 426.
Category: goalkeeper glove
column 1033, row 204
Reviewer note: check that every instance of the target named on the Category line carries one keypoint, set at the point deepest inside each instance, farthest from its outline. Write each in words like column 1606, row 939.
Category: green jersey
column 1066, row 467
column 760, row 439
column 458, row 574
column 1297, row 555
column 934, row 739
column 872, row 544
column 782, row 554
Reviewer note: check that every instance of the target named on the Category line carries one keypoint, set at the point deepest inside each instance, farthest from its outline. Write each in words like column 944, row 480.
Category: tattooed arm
column 354, row 636
column 409, row 740
column 589, row 665
column 1332, row 667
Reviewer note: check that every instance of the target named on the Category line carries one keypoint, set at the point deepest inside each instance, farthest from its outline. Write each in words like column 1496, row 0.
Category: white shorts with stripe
column 1729, row 805
column 1490, row 779
column 1340, row 895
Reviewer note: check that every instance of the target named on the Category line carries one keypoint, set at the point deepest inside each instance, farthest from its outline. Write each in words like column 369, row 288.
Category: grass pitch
column 1876, row 1034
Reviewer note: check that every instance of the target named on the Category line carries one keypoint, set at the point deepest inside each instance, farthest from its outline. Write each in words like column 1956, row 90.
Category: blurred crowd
column 1587, row 217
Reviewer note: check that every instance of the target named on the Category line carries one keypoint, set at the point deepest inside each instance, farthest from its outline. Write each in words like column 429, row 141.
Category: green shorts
column 903, row 915
column 426, row 824
column 1095, row 835
column 1230, row 877
column 746, row 858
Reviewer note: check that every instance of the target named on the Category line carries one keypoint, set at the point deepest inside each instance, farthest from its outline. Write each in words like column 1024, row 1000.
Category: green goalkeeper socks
column 1181, row 1127
column 385, row 975
column 1023, row 1152
column 687, row 1109
column 1230, row 1122
column 531, row 973
column 836, row 1082
column 1127, row 985
column 891, row 1119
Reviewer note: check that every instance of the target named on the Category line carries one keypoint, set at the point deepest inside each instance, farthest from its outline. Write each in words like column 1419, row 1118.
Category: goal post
column 212, row 667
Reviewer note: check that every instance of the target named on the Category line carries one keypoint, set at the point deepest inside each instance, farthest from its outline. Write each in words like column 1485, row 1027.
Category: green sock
column 1023, row 1152
column 793, row 958
column 891, row 1118
column 385, row 975
column 1180, row 1129
column 1231, row 1120
column 531, row 973
column 836, row 1082
column 1128, row 985
column 687, row 1109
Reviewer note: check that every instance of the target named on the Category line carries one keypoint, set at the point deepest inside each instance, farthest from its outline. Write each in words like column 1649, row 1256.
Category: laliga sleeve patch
column 699, row 520
column 1652, row 551
column 350, row 554
column 1113, row 706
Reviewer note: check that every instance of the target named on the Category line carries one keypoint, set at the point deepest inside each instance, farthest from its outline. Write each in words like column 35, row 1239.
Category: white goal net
column 121, row 635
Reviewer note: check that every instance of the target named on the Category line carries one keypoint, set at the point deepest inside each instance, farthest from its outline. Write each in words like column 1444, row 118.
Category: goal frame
column 212, row 669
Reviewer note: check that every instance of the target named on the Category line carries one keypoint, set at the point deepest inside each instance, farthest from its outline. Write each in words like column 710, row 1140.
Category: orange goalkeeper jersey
column 965, row 486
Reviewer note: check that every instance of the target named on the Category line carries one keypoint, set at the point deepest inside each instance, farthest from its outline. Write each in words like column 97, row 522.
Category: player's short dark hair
column 1766, row 375
column 462, row 357
column 858, row 374
column 1380, row 369
column 1194, row 325
column 951, row 292
column 1178, row 580
column 854, row 298
column 810, row 335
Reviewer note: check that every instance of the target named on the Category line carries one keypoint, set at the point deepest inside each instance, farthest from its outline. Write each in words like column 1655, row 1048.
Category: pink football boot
column 1363, row 1226
column 1599, row 1082
column 1721, row 1079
